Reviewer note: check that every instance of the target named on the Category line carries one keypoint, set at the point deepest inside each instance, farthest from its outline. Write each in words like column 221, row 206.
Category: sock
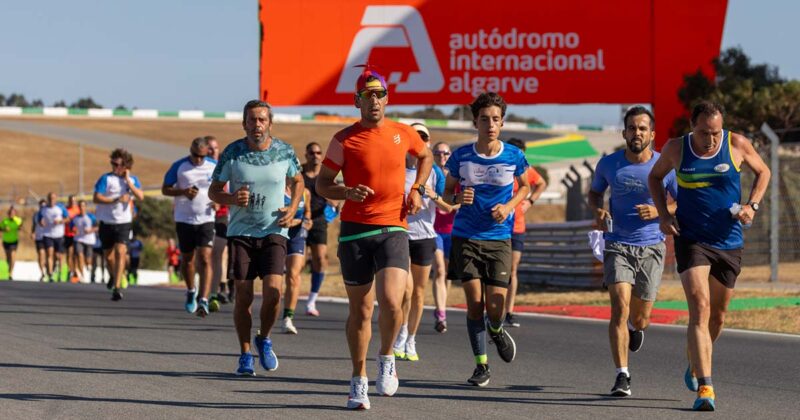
column 402, row 336
column 288, row 313
column 476, row 329
column 316, row 281
column 222, row 287
column 630, row 326
column 312, row 299
column 440, row 315
column 412, row 339
column 191, row 290
column 496, row 326
column 623, row 370
column 481, row 359
column 706, row 380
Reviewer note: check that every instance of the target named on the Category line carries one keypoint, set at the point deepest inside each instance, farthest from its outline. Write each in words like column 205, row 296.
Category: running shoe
column 622, row 386
column 358, row 398
column 440, row 326
column 311, row 310
column 213, row 304
column 411, row 351
column 690, row 380
column 267, row 357
column 636, row 340
column 222, row 298
column 288, row 326
column 387, row 382
column 506, row 347
column 191, row 301
column 511, row 321
column 202, row 307
column 399, row 347
column 116, row 295
column 480, row 376
column 705, row 399
column 246, row 365
column 110, row 284
column 124, row 282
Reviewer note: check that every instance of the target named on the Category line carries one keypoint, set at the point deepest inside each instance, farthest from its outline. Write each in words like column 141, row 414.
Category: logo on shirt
column 626, row 185
column 722, row 167
column 396, row 139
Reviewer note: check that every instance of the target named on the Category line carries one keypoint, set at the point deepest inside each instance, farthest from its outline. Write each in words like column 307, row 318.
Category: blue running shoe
column 267, row 357
column 246, row 365
column 705, row 399
column 690, row 380
column 202, row 307
column 191, row 301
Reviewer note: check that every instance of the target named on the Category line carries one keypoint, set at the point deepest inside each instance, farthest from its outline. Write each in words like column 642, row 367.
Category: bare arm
column 296, row 186
column 501, row 211
column 217, row 194
column 537, row 190
column 172, row 191
column 424, row 166
column 762, row 173
column 669, row 160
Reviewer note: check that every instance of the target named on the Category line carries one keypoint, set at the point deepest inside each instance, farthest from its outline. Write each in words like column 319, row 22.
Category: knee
column 620, row 312
column 717, row 318
column 640, row 322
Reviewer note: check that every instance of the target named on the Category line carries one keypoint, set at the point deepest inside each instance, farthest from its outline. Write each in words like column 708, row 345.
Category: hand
column 646, row 211
column 746, row 215
column 124, row 198
column 669, row 225
column 307, row 224
column 525, row 205
column 600, row 216
column 191, row 192
column 242, row 196
column 287, row 220
column 467, row 196
column 414, row 202
column 358, row 193
column 500, row 212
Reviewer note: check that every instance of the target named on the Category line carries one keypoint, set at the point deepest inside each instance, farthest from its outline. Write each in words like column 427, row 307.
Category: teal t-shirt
column 265, row 173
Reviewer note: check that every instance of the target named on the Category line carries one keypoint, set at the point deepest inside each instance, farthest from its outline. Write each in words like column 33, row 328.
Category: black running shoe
column 636, row 340
column 622, row 386
column 110, row 284
column 116, row 295
column 506, row 347
column 222, row 298
column 480, row 376
column 511, row 321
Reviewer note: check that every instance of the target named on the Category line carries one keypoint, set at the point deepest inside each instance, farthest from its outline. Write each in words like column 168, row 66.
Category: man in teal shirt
column 258, row 168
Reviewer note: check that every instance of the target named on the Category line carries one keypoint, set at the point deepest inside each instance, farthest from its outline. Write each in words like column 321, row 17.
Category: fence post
column 774, row 214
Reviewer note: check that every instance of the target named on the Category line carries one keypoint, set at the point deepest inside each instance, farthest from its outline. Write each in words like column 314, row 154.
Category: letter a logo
column 394, row 27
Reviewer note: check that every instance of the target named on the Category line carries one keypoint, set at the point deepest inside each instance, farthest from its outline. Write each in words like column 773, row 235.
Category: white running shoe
column 399, row 346
column 387, row 382
column 288, row 326
column 358, row 398
column 411, row 351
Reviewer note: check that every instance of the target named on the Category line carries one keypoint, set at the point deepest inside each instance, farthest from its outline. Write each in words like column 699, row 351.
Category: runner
column 37, row 234
column 219, row 283
column 538, row 185
column 54, row 216
column 84, row 224
column 634, row 248
column 707, row 228
column 69, row 237
column 173, row 260
column 443, row 225
column 114, row 193
column 481, row 251
column 187, row 180
column 373, row 242
column 258, row 167
column 10, row 228
column 135, row 249
column 422, row 247
column 295, row 256
column 318, row 234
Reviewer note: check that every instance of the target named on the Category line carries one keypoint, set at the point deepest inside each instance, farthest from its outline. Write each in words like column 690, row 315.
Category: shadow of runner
column 188, row 353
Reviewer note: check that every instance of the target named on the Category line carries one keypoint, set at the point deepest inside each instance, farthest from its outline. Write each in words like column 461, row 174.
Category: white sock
column 623, row 370
column 412, row 339
column 630, row 326
column 312, row 299
column 190, row 290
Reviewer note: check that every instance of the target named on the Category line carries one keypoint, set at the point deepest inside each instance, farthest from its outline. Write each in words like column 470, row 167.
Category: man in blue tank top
column 708, row 235
column 633, row 259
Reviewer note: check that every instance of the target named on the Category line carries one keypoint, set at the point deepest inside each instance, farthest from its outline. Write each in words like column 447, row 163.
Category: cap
column 421, row 128
column 377, row 81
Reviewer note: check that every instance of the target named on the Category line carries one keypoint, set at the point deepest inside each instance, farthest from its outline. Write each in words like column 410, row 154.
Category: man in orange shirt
column 373, row 242
column 538, row 185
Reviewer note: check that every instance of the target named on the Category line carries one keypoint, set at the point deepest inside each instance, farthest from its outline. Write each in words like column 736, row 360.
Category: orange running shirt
column 519, row 217
column 375, row 157
column 72, row 212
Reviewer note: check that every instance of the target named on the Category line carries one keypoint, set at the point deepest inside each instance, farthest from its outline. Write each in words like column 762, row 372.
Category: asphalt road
column 67, row 351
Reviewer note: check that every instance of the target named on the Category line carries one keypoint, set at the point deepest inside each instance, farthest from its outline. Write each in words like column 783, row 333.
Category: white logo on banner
column 394, row 26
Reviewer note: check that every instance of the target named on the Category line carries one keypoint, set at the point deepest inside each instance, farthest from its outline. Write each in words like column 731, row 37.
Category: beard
column 637, row 148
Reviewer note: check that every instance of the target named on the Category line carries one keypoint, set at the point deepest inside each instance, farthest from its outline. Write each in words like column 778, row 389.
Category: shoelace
column 386, row 368
column 358, row 389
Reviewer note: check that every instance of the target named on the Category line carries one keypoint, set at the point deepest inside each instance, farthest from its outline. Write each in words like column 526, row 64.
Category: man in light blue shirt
column 257, row 168
column 634, row 247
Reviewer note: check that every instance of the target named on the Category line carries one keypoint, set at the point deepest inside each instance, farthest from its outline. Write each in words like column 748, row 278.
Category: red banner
column 531, row 52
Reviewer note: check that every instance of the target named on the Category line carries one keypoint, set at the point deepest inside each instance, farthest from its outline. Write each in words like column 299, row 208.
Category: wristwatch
column 754, row 205
column 419, row 187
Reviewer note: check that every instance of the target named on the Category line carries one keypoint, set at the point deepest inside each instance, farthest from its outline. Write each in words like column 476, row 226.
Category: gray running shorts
column 640, row 266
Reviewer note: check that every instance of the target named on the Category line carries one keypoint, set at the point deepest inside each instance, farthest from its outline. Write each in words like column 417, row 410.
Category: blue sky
column 203, row 54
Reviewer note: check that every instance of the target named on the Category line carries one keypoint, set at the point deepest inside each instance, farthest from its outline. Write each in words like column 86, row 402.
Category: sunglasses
column 441, row 153
column 117, row 164
column 423, row 136
column 367, row 94
column 195, row 155
column 314, row 152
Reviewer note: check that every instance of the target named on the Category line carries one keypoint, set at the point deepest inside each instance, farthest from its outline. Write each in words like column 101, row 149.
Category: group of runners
column 412, row 211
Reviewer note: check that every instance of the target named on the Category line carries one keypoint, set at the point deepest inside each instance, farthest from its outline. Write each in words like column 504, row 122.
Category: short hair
column 485, row 100
column 42, row 202
column 439, row 144
column 256, row 103
column 517, row 142
column 210, row 138
column 707, row 108
column 199, row 142
column 81, row 202
column 126, row 156
column 638, row 110
column 312, row 144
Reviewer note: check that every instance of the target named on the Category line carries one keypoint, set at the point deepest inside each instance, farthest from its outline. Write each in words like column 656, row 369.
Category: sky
column 203, row 54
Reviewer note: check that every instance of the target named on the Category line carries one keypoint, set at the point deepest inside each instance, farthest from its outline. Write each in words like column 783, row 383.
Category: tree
column 154, row 218
column 2, row 99
column 37, row 103
column 17, row 100
column 59, row 104
column 85, row 103
column 121, row 108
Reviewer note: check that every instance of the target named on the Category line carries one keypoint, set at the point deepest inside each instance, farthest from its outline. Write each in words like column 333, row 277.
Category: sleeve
column 136, row 182
column 453, row 166
column 439, row 186
column 93, row 219
column 334, row 156
column 294, row 164
column 671, row 184
column 101, row 184
column 521, row 164
column 222, row 172
column 171, row 177
column 64, row 212
column 415, row 144
column 533, row 176
column 599, row 182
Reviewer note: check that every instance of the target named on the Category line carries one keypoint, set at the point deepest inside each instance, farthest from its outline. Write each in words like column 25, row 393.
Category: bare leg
column 242, row 313
column 695, row 286
column 359, row 325
column 294, row 265
column 204, row 265
column 120, row 257
column 512, row 287
column 270, row 305
column 419, row 274
column 188, row 269
column 618, row 336
column 390, row 285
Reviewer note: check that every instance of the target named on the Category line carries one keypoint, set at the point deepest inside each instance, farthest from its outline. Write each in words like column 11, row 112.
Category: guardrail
column 558, row 254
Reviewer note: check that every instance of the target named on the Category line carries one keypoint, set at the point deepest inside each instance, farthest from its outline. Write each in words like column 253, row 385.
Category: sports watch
column 754, row 205
column 419, row 187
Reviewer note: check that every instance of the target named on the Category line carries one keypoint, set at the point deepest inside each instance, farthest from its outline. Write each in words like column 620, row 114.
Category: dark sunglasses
column 195, row 155
column 314, row 152
column 117, row 165
column 367, row 94
column 441, row 153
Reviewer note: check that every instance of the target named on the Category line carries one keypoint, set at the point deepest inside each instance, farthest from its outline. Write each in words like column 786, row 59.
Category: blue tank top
column 707, row 186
